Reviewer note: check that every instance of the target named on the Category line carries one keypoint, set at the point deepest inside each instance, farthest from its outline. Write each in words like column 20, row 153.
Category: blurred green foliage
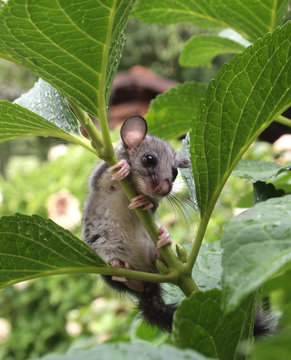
column 160, row 53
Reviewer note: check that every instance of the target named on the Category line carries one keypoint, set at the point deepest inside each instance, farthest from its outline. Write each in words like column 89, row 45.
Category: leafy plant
column 75, row 48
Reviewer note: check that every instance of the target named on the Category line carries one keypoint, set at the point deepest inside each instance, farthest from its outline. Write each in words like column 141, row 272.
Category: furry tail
column 266, row 323
column 153, row 308
column 157, row 313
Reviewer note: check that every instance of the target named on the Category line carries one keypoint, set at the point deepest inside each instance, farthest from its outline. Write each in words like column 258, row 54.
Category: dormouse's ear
column 182, row 162
column 133, row 131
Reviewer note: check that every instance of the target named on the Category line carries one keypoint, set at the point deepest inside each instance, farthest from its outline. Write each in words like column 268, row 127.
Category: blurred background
column 48, row 177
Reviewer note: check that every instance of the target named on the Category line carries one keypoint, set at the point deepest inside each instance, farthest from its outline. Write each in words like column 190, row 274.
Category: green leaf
column 256, row 246
column 49, row 103
column 283, row 181
column 257, row 170
column 16, row 121
column 138, row 350
column 140, row 330
column 75, row 46
column 207, row 270
column 167, row 12
column 31, row 246
column 274, row 347
column 200, row 324
column 199, row 50
column 250, row 18
column 244, row 98
column 176, row 107
column 187, row 173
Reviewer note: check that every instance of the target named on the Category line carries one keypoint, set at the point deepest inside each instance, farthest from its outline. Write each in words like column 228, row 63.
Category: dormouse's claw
column 164, row 237
column 136, row 285
column 140, row 201
column 116, row 263
column 119, row 278
column 123, row 172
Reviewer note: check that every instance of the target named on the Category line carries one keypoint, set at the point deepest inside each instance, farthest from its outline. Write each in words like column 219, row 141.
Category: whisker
column 182, row 205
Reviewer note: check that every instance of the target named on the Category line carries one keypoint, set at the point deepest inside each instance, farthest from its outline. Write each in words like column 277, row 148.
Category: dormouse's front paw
column 140, row 200
column 164, row 237
column 123, row 172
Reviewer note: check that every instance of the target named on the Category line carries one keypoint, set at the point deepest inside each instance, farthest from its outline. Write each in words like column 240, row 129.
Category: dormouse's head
column 153, row 161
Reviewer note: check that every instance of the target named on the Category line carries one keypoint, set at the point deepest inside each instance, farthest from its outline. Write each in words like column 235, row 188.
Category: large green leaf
column 31, row 246
column 248, row 17
column 187, row 173
column 176, row 107
column 138, row 350
column 200, row 324
column 75, row 46
column 256, row 245
column 199, row 50
column 251, row 18
column 207, row 272
column 247, row 94
column 257, row 170
column 16, row 121
column 49, row 103
column 176, row 11
column 274, row 347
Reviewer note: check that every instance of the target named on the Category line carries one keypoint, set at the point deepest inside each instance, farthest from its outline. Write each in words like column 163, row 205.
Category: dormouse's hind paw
column 117, row 263
column 123, row 172
column 140, row 200
column 136, row 285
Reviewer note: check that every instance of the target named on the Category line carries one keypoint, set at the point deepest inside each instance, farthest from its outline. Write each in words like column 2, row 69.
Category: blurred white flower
column 5, row 329
column 98, row 304
column 283, row 143
column 63, row 209
column 283, row 146
column 73, row 328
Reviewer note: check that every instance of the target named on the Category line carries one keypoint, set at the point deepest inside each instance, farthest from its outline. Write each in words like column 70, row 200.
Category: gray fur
column 120, row 234
column 109, row 227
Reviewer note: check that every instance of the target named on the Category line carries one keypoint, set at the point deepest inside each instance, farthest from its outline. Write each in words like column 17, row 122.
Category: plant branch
column 90, row 128
column 82, row 141
column 197, row 241
column 107, row 270
column 283, row 120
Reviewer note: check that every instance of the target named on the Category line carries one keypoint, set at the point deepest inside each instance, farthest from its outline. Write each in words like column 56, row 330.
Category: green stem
column 197, row 241
column 107, row 270
column 81, row 141
column 187, row 285
column 283, row 120
column 90, row 128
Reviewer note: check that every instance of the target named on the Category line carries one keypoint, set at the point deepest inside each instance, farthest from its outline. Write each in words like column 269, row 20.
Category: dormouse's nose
column 163, row 188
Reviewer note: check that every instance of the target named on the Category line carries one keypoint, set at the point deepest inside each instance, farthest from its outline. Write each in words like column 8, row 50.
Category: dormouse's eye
column 149, row 160
column 174, row 174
